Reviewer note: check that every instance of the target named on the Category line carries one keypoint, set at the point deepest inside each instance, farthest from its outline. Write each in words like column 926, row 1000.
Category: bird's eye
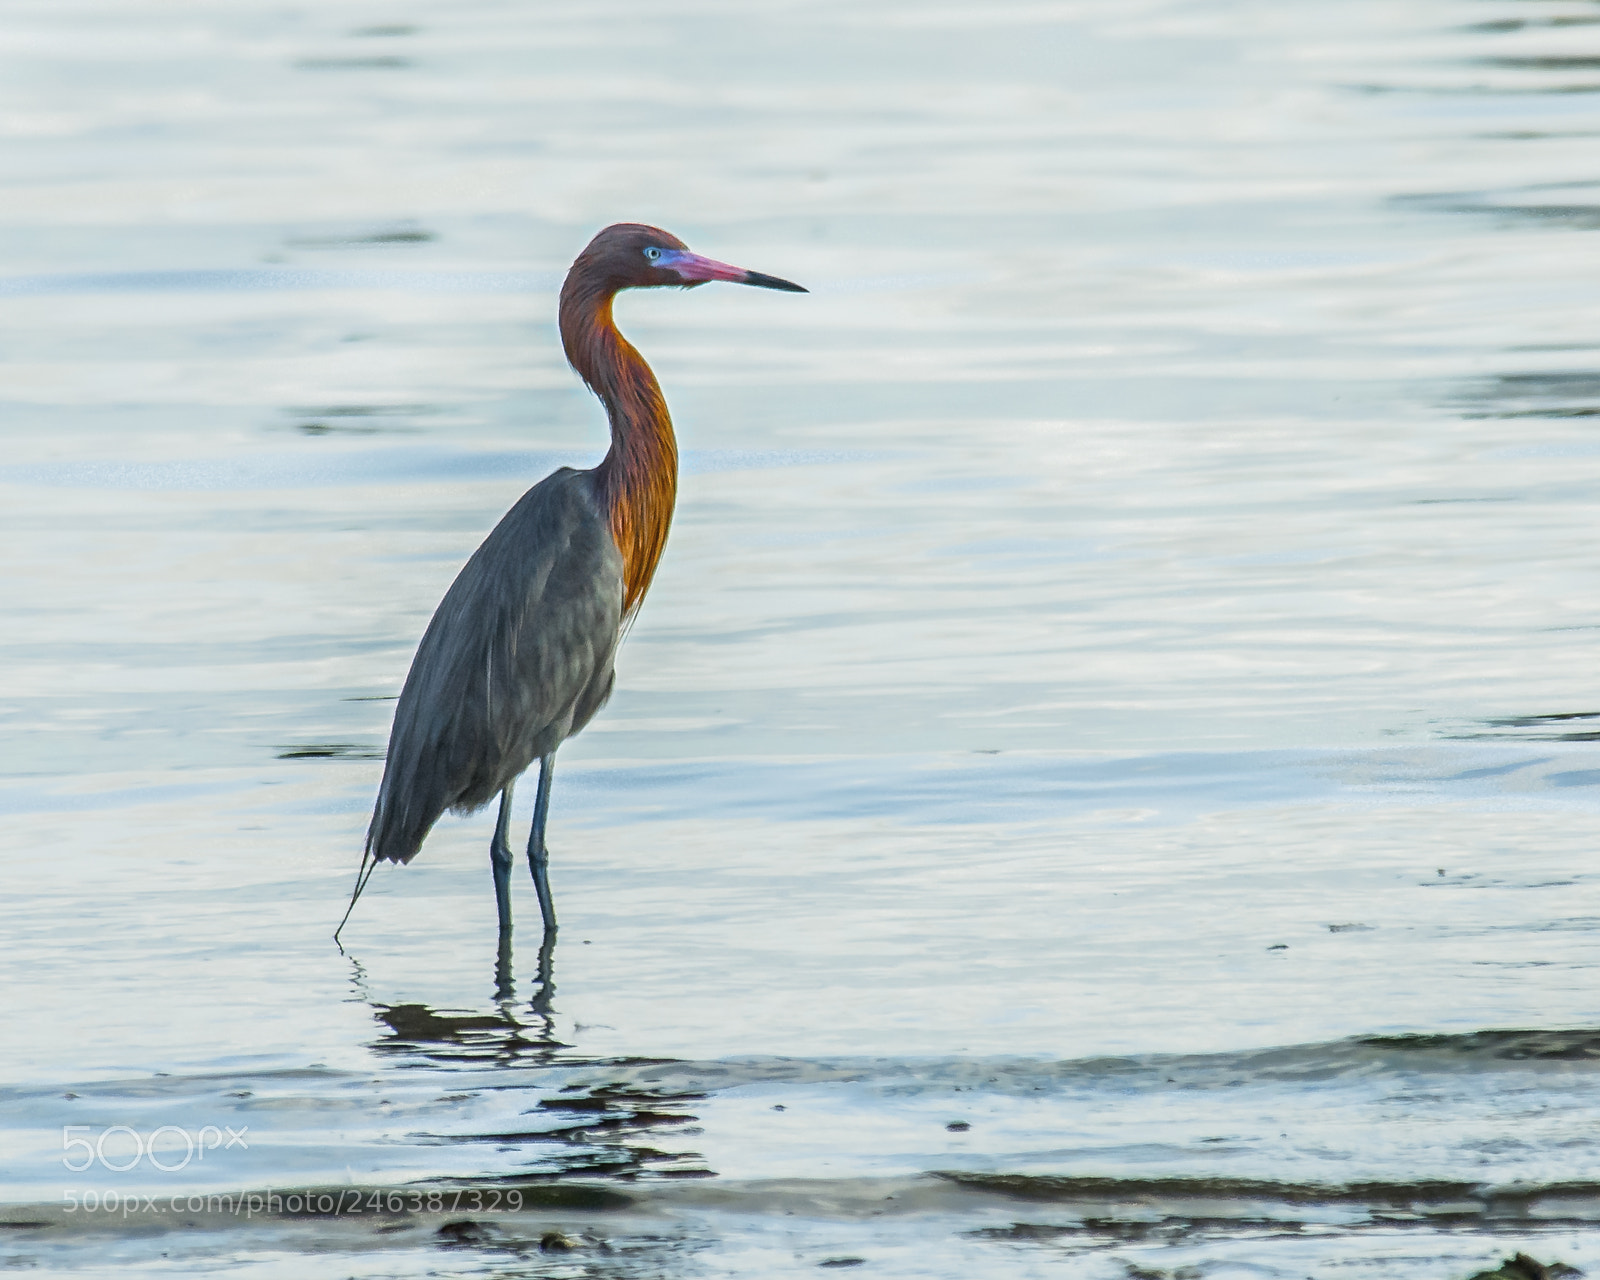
column 652, row 254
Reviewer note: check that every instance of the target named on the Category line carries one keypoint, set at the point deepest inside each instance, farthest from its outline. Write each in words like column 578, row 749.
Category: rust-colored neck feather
column 639, row 476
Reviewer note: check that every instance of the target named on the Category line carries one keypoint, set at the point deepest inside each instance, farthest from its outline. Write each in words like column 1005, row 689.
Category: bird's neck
column 639, row 476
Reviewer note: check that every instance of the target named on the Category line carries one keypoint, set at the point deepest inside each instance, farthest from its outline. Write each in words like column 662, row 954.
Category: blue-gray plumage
column 519, row 655
column 517, row 659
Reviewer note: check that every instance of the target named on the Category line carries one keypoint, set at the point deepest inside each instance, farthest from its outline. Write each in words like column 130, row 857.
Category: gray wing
column 518, row 657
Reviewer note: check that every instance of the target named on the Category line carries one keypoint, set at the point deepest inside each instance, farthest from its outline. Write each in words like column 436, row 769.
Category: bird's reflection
column 504, row 981
column 521, row 1033
column 610, row 1127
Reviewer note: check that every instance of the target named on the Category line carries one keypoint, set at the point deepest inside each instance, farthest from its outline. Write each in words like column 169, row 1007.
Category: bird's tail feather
column 410, row 801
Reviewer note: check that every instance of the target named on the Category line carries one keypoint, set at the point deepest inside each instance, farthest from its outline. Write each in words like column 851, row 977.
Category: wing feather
column 518, row 657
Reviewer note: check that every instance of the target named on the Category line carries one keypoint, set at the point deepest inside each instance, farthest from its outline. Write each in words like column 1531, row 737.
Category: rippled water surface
column 1104, row 783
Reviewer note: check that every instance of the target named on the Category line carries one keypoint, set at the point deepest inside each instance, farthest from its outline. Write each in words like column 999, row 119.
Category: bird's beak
column 697, row 270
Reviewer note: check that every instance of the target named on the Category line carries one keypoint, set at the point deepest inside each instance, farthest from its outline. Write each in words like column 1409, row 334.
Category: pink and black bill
column 694, row 269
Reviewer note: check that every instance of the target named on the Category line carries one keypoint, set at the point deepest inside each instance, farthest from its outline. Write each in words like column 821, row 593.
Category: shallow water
column 1104, row 780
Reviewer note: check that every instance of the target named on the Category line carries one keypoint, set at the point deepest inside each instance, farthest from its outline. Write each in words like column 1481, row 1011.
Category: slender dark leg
column 500, row 863
column 538, row 857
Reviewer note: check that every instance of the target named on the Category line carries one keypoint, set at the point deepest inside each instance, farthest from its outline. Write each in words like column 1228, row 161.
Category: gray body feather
column 518, row 658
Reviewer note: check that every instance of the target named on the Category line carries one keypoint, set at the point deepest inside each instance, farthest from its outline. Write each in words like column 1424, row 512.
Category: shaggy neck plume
column 639, row 476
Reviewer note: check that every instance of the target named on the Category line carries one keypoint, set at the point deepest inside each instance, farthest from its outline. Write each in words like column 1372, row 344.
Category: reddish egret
column 518, row 657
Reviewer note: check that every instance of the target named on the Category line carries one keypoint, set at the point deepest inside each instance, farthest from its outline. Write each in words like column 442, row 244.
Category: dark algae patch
column 329, row 751
column 1176, row 1206
column 1578, row 1045
column 1563, row 726
column 1065, row 1189
column 362, row 419
column 1549, row 393
column 464, row 1234
column 1521, row 1267
column 386, row 235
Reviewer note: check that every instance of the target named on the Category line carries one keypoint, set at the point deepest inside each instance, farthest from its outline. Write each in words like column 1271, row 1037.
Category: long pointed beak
column 697, row 270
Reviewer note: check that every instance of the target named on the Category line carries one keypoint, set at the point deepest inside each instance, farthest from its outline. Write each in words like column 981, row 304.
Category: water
column 1104, row 781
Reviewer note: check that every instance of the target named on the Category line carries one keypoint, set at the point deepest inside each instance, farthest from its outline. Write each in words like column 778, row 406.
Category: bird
column 519, row 654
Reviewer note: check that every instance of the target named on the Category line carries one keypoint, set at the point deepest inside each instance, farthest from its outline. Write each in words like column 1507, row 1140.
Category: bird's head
column 630, row 255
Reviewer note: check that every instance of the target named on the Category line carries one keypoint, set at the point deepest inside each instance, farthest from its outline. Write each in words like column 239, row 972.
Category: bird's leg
column 538, row 857
column 500, row 859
